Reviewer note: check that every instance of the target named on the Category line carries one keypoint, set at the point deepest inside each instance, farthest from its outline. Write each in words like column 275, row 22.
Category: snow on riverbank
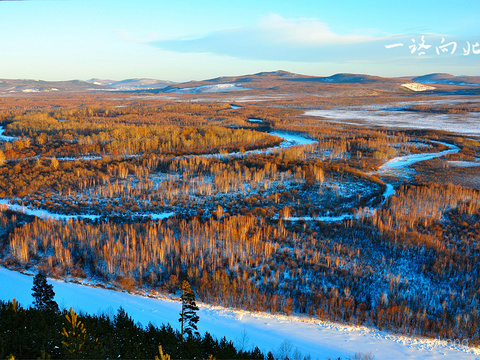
column 42, row 214
column 321, row 340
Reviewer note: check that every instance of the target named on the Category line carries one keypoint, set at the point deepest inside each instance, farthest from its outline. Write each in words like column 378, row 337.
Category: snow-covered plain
column 321, row 340
column 466, row 124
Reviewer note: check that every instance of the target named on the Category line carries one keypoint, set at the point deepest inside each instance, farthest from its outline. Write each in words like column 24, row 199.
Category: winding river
column 391, row 167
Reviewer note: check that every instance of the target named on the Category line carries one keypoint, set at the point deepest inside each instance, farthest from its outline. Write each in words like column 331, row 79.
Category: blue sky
column 192, row 40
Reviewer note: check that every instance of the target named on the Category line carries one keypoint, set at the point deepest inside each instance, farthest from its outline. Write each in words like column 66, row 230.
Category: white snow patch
column 417, row 87
column 292, row 138
column 159, row 216
column 388, row 192
column 78, row 158
column 326, row 218
column 460, row 163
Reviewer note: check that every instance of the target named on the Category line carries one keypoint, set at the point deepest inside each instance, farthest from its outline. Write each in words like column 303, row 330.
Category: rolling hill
column 273, row 83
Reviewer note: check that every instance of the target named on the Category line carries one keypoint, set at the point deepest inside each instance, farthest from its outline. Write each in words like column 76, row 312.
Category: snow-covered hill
column 132, row 84
column 447, row 79
column 208, row 89
column 321, row 340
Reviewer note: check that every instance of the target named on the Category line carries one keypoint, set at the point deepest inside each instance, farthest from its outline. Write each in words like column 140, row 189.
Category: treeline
column 45, row 135
column 32, row 333
column 463, row 108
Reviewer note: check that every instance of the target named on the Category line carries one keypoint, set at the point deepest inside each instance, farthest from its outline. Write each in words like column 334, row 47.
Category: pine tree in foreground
column 188, row 315
column 43, row 294
column 75, row 336
column 162, row 355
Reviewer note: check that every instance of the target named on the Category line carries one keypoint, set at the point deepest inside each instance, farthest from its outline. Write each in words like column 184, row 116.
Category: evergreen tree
column 75, row 336
column 188, row 315
column 43, row 294
column 162, row 355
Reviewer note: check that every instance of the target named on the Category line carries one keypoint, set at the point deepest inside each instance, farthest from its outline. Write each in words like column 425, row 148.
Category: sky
column 186, row 40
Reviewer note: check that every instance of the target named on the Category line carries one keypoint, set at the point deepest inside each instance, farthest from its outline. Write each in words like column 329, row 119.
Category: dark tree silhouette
column 188, row 315
column 43, row 294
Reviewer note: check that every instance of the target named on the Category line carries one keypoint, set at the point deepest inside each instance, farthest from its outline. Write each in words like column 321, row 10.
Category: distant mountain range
column 132, row 84
column 35, row 86
column 271, row 82
column 283, row 81
column 39, row 86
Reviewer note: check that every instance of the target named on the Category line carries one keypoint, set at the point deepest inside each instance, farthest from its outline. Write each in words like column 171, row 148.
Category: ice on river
column 43, row 214
column 4, row 137
column 392, row 166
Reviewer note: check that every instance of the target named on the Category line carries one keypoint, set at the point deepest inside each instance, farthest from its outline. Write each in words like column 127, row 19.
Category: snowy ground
column 459, row 163
column 321, row 340
column 466, row 124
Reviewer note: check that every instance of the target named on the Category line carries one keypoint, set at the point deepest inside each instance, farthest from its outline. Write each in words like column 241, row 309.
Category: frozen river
column 320, row 339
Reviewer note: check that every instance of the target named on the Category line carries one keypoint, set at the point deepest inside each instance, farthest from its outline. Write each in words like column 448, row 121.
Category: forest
column 151, row 193
column 35, row 333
